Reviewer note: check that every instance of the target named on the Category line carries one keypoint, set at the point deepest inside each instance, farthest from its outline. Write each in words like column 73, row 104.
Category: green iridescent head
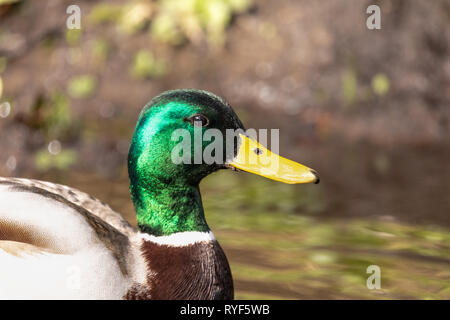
column 153, row 142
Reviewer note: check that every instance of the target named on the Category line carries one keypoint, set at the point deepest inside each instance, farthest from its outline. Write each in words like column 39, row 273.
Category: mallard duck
column 57, row 242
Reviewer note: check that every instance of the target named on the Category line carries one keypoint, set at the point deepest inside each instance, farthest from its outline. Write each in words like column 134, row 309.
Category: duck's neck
column 165, row 208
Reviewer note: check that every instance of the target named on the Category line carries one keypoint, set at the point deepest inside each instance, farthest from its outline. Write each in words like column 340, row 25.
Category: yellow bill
column 255, row 158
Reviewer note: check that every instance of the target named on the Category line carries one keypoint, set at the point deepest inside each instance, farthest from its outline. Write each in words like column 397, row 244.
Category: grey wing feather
column 88, row 202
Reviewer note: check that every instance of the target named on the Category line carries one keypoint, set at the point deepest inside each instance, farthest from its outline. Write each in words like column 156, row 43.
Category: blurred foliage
column 62, row 161
column 56, row 123
column 380, row 84
column 195, row 20
column 105, row 12
column 352, row 92
column 349, row 87
column 3, row 62
column 134, row 16
column 73, row 36
column 100, row 49
column 145, row 65
column 58, row 118
column 268, row 30
column 173, row 21
column 8, row 1
column 51, row 116
column 82, row 86
column 2, row 68
column 129, row 17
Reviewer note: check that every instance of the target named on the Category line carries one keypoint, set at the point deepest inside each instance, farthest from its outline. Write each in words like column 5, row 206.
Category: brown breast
column 197, row 271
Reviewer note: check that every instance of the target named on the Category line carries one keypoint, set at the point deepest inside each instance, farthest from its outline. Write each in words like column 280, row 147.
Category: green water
column 276, row 251
column 281, row 245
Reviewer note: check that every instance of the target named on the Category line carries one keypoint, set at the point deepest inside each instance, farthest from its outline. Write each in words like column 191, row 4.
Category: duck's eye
column 258, row 151
column 198, row 120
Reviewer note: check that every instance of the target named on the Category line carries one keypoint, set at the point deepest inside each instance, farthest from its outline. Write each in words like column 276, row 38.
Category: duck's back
column 52, row 248
column 77, row 197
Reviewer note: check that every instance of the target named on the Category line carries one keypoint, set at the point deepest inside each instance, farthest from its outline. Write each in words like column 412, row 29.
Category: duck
column 58, row 242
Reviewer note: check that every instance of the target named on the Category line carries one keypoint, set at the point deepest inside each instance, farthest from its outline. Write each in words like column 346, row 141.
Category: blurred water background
column 369, row 110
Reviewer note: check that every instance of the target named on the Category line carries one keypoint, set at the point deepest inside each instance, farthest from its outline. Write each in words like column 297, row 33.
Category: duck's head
column 172, row 144
column 175, row 129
